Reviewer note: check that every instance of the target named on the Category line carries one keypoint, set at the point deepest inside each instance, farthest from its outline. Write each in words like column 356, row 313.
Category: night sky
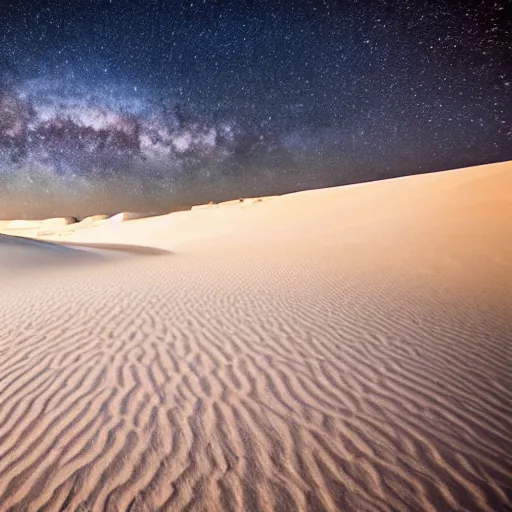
column 110, row 105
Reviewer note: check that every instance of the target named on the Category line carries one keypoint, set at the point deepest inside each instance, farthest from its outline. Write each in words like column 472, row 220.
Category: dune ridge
column 337, row 349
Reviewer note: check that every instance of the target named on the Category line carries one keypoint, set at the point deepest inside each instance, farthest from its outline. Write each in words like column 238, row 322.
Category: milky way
column 73, row 129
column 111, row 104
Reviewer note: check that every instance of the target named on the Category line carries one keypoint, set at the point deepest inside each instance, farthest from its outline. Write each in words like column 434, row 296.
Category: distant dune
column 23, row 224
column 94, row 219
column 124, row 216
column 337, row 349
column 58, row 222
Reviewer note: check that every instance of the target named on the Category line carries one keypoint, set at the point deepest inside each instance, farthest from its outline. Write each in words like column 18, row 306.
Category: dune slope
column 25, row 255
column 337, row 349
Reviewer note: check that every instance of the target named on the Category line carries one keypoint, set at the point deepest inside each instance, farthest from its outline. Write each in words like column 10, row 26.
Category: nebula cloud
column 62, row 139
column 73, row 130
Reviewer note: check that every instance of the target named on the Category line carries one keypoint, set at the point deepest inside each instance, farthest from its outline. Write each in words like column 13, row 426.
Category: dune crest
column 58, row 222
column 126, row 216
column 92, row 219
column 337, row 349
column 24, row 224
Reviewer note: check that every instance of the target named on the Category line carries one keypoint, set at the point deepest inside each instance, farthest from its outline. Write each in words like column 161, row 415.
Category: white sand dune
column 125, row 216
column 57, row 222
column 338, row 349
column 209, row 206
column 93, row 219
column 24, row 224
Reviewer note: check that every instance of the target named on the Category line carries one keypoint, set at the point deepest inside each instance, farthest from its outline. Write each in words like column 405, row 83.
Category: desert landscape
column 346, row 348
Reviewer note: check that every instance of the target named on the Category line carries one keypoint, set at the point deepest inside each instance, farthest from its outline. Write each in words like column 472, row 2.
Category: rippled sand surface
column 337, row 349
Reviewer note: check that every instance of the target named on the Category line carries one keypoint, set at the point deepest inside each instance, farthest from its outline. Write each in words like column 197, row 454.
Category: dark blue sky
column 142, row 105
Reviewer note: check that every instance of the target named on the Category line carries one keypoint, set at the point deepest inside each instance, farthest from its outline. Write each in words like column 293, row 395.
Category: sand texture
column 340, row 349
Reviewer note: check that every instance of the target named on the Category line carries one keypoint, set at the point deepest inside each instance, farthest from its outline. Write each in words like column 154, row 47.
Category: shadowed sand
column 23, row 254
column 338, row 349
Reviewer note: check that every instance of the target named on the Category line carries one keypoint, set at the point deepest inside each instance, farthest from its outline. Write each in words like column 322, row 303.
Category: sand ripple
column 185, row 393
column 244, row 375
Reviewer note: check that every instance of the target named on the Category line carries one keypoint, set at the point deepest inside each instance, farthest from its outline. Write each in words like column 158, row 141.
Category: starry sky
column 111, row 105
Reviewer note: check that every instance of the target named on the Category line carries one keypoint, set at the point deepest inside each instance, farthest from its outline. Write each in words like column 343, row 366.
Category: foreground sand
column 338, row 349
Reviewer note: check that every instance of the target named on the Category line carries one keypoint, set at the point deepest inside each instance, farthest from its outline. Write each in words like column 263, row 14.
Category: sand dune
column 92, row 219
column 25, row 254
column 24, row 224
column 338, row 349
column 209, row 206
column 58, row 222
column 125, row 216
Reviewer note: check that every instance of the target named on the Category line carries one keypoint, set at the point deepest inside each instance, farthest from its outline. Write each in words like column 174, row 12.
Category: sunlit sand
column 338, row 349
